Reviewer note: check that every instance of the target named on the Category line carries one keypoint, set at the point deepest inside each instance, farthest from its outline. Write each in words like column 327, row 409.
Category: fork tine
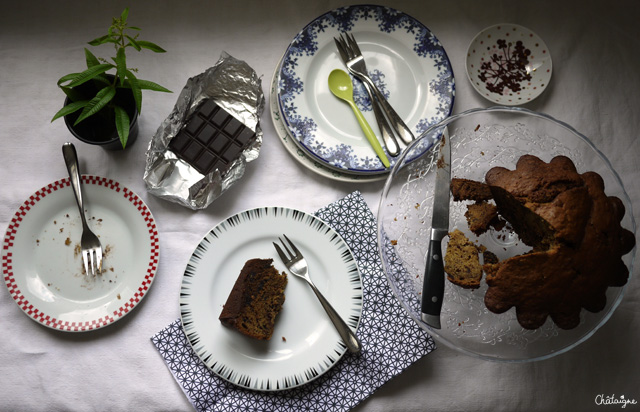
column 295, row 249
column 85, row 260
column 292, row 255
column 345, row 43
column 94, row 265
column 351, row 40
column 99, row 260
column 343, row 53
column 280, row 252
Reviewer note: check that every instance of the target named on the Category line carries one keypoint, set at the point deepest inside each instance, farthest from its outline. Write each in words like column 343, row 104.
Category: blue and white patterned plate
column 305, row 344
column 403, row 57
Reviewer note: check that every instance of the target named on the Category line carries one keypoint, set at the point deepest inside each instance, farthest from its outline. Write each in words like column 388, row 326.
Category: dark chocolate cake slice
column 255, row 300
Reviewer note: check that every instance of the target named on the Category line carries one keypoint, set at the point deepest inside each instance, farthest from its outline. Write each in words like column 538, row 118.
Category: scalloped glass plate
column 407, row 62
column 481, row 139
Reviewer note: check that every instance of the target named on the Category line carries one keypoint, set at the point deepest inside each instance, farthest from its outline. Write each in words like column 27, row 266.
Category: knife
column 433, row 286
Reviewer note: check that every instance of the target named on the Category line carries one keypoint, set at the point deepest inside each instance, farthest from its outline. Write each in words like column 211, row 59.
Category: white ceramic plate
column 403, row 57
column 300, row 154
column 508, row 64
column 305, row 343
column 42, row 266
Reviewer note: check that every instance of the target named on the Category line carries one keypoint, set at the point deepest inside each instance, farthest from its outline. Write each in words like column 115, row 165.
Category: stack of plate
column 404, row 59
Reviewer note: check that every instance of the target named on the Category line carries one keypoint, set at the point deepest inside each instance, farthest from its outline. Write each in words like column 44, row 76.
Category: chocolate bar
column 211, row 139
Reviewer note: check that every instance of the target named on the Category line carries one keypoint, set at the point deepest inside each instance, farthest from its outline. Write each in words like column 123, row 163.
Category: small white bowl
column 508, row 64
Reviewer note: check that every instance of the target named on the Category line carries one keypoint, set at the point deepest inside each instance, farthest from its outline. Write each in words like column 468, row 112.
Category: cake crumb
column 284, row 339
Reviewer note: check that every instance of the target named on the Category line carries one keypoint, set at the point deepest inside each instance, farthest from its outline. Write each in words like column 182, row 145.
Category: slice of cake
column 466, row 189
column 255, row 300
column 480, row 216
column 461, row 261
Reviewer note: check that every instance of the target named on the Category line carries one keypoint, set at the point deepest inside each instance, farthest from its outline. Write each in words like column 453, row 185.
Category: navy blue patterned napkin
column 391, row 340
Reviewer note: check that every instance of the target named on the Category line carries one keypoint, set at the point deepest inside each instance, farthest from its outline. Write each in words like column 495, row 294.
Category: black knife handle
column 433, row 286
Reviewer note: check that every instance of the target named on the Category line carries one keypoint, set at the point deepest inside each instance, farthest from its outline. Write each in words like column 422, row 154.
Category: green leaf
column 124, row 15
column 86, row 75
column 149, row 85
column 67, row 77
column 102, row 81
column 135, row 89
column 70, row 108
column 94, row 105
column 122, row 124
column 151, row 46
column 73, row 94
column 133, row 42
column 134, row 28
column 91, row 59
column 100, row 40
column 121, row 62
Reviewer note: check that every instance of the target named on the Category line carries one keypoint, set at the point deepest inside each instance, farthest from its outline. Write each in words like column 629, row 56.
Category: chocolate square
column 192, row 151
column 231, row 152
column 207, row 134
column 194, row 125
column 232, row 126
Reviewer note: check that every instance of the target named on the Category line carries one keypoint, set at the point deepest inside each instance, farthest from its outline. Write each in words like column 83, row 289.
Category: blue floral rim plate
column 405, row 60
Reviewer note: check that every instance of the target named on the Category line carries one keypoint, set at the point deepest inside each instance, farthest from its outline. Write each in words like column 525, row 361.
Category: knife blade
column 433, row 286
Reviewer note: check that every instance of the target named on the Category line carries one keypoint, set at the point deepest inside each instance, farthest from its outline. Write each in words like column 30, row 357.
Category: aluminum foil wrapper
column 234, row 86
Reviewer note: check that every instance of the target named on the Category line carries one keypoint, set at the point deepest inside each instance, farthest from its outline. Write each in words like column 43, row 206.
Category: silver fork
column 89, row 242
column 297, row 265
column 358, row 68
column 388, row 138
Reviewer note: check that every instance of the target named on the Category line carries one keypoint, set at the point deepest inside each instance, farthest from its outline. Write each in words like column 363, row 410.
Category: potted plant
column 102, row 108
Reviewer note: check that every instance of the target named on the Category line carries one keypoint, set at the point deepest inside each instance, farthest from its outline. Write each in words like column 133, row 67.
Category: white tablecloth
column 595, row 87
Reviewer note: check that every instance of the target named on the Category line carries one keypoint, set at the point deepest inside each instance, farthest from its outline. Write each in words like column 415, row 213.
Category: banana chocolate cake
column 255, row 299
column 575, row 234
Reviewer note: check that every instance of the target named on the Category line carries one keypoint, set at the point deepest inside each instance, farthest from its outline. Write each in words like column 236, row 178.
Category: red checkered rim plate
column 42, row 268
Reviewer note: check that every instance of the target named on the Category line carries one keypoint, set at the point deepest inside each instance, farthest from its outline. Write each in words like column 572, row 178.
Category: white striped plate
column 305, row 343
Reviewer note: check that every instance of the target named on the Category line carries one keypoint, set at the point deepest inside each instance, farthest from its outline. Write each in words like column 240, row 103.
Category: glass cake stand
column 481, row 139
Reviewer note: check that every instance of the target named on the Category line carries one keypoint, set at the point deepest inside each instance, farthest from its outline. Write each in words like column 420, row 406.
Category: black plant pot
column 100, row 129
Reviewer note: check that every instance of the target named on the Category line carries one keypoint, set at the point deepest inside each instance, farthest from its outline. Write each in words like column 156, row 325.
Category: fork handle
column 388, row 138
column 396, row 121
column 71, row 160
column 347, row 335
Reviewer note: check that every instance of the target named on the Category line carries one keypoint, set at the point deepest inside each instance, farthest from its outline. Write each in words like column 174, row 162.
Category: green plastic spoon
column 341, row 86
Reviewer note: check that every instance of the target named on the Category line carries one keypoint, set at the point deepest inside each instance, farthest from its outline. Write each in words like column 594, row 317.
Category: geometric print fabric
column 391, row 340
